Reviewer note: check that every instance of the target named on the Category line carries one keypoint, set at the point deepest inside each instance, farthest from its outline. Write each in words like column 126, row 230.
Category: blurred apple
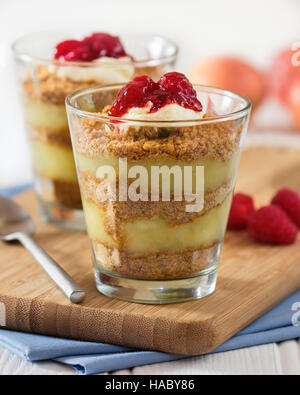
column 230, row 73
column 293, row 100
column 283, row 73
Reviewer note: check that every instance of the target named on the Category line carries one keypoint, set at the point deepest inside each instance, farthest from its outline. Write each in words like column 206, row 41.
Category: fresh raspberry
column 289, row 201
column 171, row 88
column 272, row 225
column 241, row 209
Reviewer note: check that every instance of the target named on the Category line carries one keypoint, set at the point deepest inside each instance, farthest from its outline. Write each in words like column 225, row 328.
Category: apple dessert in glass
column 157, row 164
column 49, row 67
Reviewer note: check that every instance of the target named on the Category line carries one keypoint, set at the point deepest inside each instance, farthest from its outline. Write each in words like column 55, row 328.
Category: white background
column 253, row 29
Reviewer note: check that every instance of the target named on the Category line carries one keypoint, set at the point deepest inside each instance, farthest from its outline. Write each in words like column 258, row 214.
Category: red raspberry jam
column 90, row 48
column 172, row 88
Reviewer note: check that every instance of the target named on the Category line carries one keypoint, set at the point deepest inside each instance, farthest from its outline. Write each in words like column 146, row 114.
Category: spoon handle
column 62, row 279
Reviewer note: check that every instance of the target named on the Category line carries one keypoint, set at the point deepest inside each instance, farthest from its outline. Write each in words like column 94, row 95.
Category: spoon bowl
column 16, row 224
column 14, row 218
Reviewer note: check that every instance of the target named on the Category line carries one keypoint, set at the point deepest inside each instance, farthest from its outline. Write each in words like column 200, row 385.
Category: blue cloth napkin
column 10, row 192
column 281, row 323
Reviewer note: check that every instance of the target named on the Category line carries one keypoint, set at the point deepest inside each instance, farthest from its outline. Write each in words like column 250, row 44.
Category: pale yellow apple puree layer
column 95, row 221
column 53, row 161
column 46, row 115
column 144, row 236
column 216, row 172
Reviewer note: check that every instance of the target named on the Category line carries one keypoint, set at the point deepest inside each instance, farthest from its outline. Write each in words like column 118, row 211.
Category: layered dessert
column 154, row 233
column 45, row 91
column 99, row 59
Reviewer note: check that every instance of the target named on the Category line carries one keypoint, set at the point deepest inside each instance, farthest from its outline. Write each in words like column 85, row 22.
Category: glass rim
column 29, row 58
column 209, row 89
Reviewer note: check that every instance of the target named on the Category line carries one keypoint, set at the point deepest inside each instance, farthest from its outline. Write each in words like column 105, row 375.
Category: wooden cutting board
column 253, row 278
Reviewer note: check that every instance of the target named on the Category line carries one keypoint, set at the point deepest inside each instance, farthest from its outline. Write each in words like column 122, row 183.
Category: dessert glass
column 44, row 84
column 147, row 248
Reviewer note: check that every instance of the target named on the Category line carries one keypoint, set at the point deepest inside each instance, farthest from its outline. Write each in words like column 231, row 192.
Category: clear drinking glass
column 157, row 195
column 44, row 84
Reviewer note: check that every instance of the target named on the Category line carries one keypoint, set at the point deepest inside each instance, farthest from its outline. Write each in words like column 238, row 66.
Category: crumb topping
column 219, row 140
column 50, row 88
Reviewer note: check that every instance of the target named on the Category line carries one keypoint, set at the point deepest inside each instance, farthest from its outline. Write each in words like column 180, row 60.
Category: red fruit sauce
column 172, row 88
column 90, row 48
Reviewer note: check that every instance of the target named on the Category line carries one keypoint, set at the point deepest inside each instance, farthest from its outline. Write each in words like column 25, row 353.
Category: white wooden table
column 271, row 359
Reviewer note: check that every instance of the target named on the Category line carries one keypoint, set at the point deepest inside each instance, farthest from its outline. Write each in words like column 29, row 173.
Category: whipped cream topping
column 105, row 70
column 170, row 112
